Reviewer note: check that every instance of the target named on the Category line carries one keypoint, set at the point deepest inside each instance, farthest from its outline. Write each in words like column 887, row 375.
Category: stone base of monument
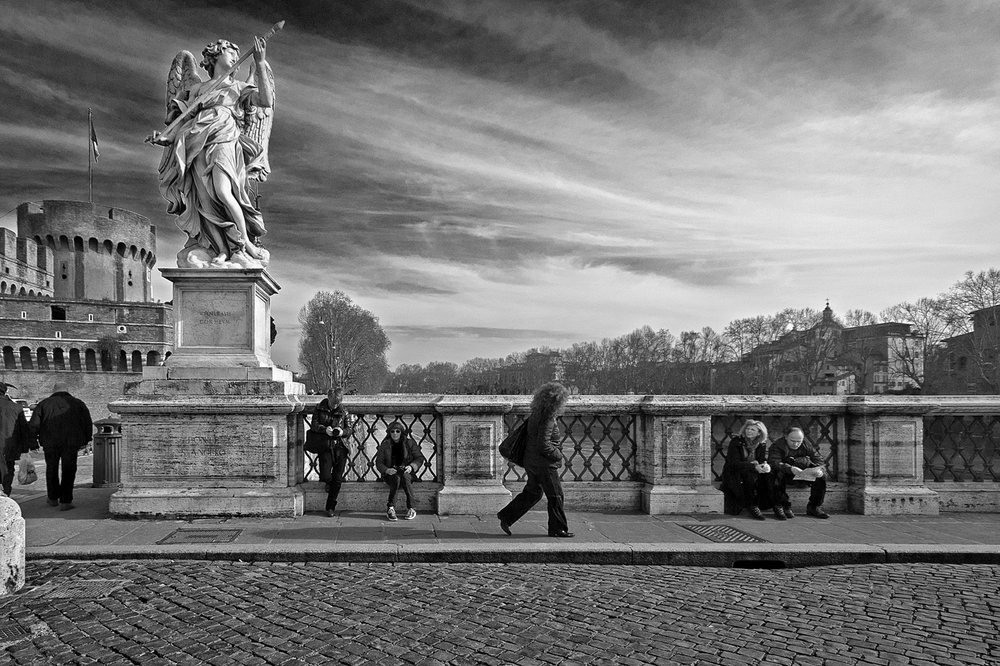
column 893, row 501
column 211, row 433
column 472, row 499
column 11, row 547
column 663, row 499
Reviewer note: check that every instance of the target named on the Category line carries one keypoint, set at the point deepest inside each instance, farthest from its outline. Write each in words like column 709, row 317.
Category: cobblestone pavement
column 180, row 612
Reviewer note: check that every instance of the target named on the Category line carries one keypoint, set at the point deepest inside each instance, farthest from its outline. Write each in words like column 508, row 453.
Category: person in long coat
column 335, row 425
column 746, row 474
column 14, row 438
column 543, row 460
column 63, row 427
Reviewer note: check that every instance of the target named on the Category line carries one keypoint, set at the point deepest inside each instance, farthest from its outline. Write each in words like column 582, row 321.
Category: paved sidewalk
column 90, row 532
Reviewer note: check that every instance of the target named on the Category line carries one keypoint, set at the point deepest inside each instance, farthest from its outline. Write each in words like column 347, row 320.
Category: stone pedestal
column 11, row 547
column 473, row 467
column 208, row 433
column 885, row 463
column 676, row 462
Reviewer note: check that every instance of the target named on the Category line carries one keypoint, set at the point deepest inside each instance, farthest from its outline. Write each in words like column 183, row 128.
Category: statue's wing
column 182, row 75
column 257, row 122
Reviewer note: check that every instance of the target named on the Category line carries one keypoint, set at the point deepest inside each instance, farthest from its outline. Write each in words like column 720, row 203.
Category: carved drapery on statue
column 215, row 148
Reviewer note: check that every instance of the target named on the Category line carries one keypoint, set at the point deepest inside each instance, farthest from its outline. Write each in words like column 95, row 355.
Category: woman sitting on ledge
column 746, row 474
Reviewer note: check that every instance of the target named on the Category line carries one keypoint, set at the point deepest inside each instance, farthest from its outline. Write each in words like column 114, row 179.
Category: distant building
column 831, row 359
column 971, row 358
column 538, row 368
column 76, row 301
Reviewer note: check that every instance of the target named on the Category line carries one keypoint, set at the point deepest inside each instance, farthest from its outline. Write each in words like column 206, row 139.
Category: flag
column 93, row 140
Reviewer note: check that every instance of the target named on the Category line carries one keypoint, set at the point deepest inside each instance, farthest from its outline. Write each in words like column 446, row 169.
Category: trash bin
column 107, row 452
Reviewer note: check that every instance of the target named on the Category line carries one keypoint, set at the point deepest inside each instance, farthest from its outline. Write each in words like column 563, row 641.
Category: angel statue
column 215, row 146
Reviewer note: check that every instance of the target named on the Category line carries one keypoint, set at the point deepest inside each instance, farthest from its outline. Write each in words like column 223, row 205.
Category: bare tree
column 342, row 344
column 918, row 360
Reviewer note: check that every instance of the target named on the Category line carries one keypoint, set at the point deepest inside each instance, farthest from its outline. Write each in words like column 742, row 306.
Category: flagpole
column 90, row 150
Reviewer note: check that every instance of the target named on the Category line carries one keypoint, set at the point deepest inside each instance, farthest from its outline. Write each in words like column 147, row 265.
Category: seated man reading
column 794, row 459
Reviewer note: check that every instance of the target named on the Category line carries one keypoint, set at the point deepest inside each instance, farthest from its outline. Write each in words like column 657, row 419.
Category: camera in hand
column 337, row 432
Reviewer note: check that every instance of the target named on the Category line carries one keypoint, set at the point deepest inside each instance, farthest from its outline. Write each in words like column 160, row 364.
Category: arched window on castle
column 58, row 360
column 26, row 363
column 153, row 359
column 137, row 361
column 74, row 360
column 43, row 358
column 123, row 361
column 9, row 361
column 91, row 360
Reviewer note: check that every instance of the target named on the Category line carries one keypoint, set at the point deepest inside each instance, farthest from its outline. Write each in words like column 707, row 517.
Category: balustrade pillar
column 885, row 458
column 676, row 463
column 472, row 466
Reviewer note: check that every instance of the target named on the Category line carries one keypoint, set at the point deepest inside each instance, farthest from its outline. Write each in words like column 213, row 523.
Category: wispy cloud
column 496, row 166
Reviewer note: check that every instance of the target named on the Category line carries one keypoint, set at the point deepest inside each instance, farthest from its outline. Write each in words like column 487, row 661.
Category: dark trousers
column 743, row 487
column 336, row 462
column 817, row 490
column 60, row 490
column 540, row 482
column 397, row 481
column 8, row 477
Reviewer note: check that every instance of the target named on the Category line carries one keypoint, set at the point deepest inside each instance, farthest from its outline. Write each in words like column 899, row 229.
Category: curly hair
column 549, row 400
column 212, row 52
column 761, row 437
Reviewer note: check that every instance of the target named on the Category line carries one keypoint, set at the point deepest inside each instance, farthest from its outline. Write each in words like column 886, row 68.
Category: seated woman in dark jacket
column 398, row 458
column 746, row 474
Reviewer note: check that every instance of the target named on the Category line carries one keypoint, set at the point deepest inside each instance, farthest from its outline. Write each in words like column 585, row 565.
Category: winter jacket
column 782, row 458
column 62, row 422
column 14, row 433
column 412, row 454
column 337, row 418
column 542, row 449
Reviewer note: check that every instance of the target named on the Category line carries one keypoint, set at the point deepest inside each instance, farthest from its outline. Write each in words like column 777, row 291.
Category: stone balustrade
column 664, row 454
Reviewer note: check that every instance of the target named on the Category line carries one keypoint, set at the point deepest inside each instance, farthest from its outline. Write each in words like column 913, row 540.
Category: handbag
column 513, row 446
column 26, row 470
column 315, row 442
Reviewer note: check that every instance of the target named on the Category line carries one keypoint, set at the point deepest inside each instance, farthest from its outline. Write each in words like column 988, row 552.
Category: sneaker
column 52, row 502
column 410, row 514
column 330, row 513
column 779, row 513
column 391, row 513
column 816, row 512
column 755, row 512
column 66, row 506
column 788, row 513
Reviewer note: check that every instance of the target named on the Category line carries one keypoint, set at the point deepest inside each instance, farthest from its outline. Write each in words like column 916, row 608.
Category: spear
column 210, row 87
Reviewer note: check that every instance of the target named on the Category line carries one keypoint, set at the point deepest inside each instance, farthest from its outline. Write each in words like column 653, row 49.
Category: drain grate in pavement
column 200, row 536
column 78, row 589
column 723, row 534
column 7, row 633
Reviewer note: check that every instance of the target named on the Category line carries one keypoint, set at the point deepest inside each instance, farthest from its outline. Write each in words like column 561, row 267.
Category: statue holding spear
column 215, row 146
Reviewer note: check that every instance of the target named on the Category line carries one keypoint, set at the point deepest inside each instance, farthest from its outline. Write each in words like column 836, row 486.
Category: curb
column 753, row 556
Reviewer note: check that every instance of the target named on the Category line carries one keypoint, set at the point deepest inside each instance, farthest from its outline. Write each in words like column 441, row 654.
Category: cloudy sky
column 495, row 175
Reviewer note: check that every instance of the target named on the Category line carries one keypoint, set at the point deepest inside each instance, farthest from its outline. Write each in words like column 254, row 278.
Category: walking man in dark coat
column 13, row 437
column 63, row 427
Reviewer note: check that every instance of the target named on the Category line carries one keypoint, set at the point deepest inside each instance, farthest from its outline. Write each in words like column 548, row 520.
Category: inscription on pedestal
column 165, row 452
column 895, row 449
column 215, row 319
column 473, row 451
column 682, row 449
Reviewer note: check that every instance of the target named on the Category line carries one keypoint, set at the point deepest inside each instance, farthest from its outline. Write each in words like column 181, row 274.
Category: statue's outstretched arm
column 265, row 85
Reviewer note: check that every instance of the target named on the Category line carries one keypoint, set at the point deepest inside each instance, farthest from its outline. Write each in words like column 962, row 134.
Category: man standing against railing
column 794, row 459
column 333, row 422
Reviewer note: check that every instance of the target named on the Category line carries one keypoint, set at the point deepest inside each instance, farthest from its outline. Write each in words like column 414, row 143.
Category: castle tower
column 95, row 255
